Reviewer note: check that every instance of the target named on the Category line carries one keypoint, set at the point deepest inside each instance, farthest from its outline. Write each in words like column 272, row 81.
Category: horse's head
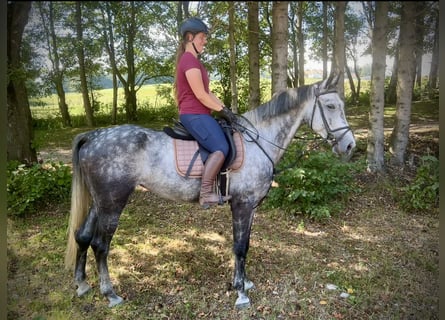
column 327, row 117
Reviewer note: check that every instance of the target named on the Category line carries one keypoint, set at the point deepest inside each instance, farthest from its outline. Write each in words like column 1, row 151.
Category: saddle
column 189, row 154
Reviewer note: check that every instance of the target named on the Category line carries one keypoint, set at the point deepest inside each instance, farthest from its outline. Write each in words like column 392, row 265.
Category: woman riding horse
column 196, row 102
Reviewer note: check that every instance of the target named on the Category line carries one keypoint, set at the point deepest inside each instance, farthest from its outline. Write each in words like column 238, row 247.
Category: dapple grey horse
column 109, row 163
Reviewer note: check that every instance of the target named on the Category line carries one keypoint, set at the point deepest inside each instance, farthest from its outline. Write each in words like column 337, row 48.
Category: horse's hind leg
column 108, row 220
column 83, row 238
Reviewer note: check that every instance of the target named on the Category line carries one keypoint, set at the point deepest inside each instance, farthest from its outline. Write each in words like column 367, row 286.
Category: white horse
column 109, row 163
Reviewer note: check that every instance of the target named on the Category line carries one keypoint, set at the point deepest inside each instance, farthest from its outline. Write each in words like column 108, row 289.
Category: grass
column 174, row 261
column 41, row 107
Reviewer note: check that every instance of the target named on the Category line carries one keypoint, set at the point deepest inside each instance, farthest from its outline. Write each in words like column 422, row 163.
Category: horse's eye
column 331, row 106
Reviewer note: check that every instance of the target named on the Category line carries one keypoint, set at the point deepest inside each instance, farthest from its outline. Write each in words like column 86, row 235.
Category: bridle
column 330, row 132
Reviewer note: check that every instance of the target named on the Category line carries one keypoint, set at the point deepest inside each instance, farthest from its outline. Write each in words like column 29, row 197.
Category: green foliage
column 423, row 192
column 148, row 114
column 30, row 188
column 364, row 98
column 317, row 186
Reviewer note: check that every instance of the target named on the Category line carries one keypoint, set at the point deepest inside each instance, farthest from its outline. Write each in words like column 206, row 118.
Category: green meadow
column 148, row 95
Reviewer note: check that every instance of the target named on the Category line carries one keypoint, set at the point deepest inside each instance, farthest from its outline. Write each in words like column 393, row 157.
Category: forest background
column 68, row 46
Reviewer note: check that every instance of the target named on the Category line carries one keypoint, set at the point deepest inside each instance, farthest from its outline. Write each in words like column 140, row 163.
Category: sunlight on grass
column 312, row 234
column 42, row 107
column 211, row 236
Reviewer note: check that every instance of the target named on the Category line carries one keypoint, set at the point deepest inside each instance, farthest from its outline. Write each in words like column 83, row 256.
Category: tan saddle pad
column 185, row 151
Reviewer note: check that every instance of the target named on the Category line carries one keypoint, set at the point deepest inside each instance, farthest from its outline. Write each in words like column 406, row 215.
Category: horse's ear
column 333, row 79
column 331, row 82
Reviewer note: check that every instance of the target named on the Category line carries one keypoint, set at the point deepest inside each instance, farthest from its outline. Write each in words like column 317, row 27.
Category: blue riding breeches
column 206, row 130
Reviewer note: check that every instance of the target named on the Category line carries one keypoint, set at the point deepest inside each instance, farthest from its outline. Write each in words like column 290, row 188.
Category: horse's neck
column 279, row 131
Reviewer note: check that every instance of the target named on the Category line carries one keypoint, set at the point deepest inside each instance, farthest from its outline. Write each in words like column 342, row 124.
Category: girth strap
column 192, row 162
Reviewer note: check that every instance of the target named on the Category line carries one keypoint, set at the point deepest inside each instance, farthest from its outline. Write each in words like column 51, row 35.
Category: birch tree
column 420, row 30
column 338, row 63
column 376, row 138
column 301, row 8
column 432, row 79
column 254, row 54
column 325, row 39
column 405, row 82
column 279, row 45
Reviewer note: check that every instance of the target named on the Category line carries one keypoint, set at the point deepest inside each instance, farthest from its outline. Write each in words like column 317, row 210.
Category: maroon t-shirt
column 188, row 103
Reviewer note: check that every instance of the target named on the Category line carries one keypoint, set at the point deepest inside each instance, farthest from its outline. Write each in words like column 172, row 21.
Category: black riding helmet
column 193, row 25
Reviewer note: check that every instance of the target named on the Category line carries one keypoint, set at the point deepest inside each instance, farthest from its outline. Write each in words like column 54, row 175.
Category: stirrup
column 221, row 200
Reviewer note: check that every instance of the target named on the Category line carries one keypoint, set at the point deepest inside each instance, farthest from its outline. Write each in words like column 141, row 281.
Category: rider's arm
column 194, row 79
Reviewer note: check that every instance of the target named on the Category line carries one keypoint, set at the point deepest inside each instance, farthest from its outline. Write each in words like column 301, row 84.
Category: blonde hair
column 179, row 52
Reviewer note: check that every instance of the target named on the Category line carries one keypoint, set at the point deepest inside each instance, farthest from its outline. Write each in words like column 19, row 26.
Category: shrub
column 423, row 192
column 318, row 186
column 148, row 114
column 32, row 187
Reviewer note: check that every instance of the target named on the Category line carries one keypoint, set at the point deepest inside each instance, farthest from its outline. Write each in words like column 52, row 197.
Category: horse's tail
column 80, row 202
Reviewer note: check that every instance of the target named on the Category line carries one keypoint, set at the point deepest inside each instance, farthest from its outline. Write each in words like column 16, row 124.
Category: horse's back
column 113, row 152
column 130, row 155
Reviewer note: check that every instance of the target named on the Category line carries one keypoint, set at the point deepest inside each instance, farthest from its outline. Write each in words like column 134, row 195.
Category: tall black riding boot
column 212, row 166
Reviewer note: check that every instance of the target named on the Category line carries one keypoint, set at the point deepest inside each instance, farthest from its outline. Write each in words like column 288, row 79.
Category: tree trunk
column 419, row 41
column 232, row 46
column 185, row 8
column 391, row 95
column 279, row 45
column 294, row 45
column 406, row 74
column 254, row 55
column 130, row 103
column 359, row 80
column 376, row 137
column 114, row 103
column 108, row 36
column 130, row 91
column 19, row 131
column 57, row 77
column 325, row 39
column 300, row 35
column 129, row 83
column 339, row 48
column 432, row 79
column 82, row 69
column 351, row 83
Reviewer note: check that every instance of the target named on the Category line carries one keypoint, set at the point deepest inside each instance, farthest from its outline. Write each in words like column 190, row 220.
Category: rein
column 251, row 133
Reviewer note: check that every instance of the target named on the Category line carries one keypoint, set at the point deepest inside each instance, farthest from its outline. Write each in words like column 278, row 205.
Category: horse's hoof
column 248, row 285
column 242, row 303
column 115, row 301
column 83, row 289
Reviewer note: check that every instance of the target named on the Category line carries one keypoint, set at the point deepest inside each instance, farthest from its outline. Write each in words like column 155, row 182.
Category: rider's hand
column 227, row 114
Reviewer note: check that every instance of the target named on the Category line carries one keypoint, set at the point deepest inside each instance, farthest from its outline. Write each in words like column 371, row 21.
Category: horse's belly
column 160, row 177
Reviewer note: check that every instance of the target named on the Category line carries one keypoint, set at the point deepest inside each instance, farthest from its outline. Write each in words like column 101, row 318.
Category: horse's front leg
column 242, row 217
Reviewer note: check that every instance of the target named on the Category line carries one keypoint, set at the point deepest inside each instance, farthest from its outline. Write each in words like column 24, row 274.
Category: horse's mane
column 281, row 102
